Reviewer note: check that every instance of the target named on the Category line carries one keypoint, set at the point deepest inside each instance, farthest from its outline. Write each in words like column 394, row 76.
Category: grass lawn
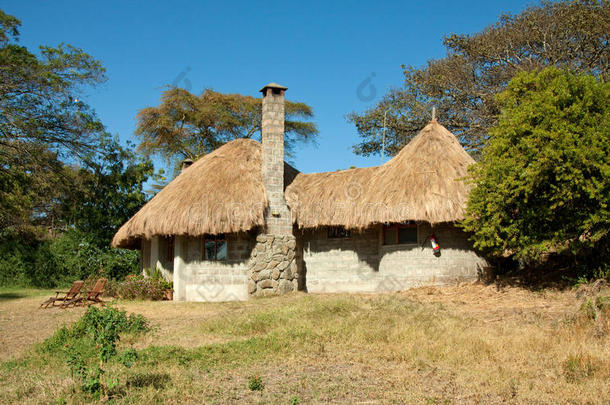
column 464, row 344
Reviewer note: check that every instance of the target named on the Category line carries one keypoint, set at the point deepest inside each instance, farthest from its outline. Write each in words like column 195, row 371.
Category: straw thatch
column 220, row 193
column 422, row 183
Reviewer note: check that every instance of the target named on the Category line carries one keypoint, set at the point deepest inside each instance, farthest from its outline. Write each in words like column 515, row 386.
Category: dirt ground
column 470, row 343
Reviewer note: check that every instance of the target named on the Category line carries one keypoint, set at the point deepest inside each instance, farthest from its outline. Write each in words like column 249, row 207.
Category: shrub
column 255, row 383
column 143, row 288
column 26, row 260
column 542, row 183
column 91, row 343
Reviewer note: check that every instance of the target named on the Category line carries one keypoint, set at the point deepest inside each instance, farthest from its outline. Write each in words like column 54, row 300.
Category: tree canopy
column 39, row 96
column 543, row 182
column 570, row 34
column 185, row 125
column 59, row 168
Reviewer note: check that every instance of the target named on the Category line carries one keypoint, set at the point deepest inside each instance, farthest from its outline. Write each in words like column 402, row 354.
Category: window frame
column 396, row 227
column 217, row 238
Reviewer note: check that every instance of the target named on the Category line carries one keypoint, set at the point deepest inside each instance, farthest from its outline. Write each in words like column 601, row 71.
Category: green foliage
column 572, row 34
column 542, row 183
column 39, row 96
column 59, row 261
column 255, row 383
column 188, row 126
column 138, row 287
column 128, row 357
column 107, row 191
column 65, row 184
column 91, row 343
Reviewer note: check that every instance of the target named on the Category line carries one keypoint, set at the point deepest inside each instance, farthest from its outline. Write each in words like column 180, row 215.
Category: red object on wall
column 435, row 247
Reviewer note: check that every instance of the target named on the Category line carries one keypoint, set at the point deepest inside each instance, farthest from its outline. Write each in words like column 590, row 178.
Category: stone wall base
column 273, row 268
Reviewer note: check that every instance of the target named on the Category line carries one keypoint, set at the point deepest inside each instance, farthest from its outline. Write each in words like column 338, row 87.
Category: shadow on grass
column 5, row 296
column 156, row 380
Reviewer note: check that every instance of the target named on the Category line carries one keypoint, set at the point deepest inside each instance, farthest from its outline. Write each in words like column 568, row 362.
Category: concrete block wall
column 338, row 264
column 407, row 266
column 362, row 263
column 203, row 280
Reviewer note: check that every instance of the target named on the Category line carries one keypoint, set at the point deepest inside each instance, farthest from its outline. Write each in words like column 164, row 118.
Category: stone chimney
column 277, row 217
column 273, row 267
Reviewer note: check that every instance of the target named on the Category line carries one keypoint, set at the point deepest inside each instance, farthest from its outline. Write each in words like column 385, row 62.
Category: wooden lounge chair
column 91, row 297
column 66, row 296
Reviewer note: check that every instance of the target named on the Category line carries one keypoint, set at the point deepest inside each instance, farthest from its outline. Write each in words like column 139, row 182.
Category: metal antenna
column 385, row 117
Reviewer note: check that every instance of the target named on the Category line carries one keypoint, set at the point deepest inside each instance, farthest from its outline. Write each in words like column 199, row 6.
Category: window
column 400, row 234
column 214, row 247
column 337, row 232
column 169, row 255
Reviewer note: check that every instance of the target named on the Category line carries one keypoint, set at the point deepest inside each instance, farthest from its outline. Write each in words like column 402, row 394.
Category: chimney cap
column 185, row 164
column 273, row 86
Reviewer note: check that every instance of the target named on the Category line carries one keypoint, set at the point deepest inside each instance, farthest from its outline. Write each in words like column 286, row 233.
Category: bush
column 91, row 343
column 26, row 261
column 140, row 287
column 541, row 186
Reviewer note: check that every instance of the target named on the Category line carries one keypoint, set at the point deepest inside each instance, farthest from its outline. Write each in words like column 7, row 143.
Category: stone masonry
column 273, row 266
column 277, row 218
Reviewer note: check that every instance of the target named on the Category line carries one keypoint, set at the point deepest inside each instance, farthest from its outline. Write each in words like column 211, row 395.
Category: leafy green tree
column 543, row 182
column 65, row 185
column 186, row 126
column 107, row 191
column 39, row 96
column 572, row 34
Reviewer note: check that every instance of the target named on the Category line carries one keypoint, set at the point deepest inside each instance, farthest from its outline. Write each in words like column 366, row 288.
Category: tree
column 186, row 126
column 39, row 97
column 41, row 123
column 567, row 34
column 107, row 191
column 543, row 182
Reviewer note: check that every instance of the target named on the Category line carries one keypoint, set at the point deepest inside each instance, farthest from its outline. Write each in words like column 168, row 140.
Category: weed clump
column 91, row 343
column 256, row 383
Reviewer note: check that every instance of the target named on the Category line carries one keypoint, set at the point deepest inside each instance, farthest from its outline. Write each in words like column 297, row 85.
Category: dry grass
column 466, row 344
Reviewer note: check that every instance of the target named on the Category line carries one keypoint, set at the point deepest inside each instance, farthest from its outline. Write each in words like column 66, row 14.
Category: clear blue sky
column 321, row 50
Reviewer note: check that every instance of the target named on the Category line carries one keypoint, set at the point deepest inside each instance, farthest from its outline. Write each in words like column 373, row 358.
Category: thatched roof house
column 422, row 183
column 222, row 192
column 241, row 222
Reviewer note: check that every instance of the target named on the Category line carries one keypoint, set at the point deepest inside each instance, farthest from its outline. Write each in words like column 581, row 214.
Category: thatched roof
column 220, row 193
column 422, row 183
column 223, row 192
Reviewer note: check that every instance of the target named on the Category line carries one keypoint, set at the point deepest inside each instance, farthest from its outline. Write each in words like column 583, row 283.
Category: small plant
column 579, row 366
column 91, row 344
column 295, row 400
column 255, row 383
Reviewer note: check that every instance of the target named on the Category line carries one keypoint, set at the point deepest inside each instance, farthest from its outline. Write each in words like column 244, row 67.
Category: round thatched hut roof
column 220, row 193
column 422, row 183
column 223, row 192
